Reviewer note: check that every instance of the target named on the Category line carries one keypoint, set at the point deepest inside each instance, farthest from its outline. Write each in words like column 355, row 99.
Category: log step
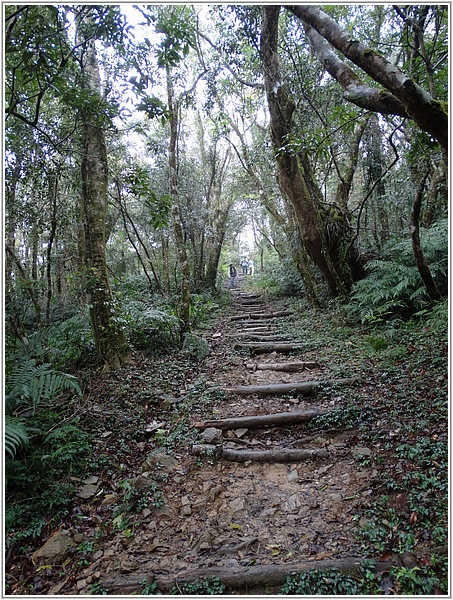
column 273, row 419
column 283, row 455
column 302, row 387
column 271, row 346
column 245, row 577
column 290, row 367
column 269, row 315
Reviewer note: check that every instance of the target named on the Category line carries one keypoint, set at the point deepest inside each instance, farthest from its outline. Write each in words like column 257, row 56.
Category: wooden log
column 299, row 387
column 249, row 296
column 273, row 419
column 253, row 323
column 289, row 367
column 281, row 455
column 250, row 328
column 292, row 455
column 243, row 578
column 250, row 302
column 259, row 337
column 253, row 326
column 271, row 346
column 269, row 315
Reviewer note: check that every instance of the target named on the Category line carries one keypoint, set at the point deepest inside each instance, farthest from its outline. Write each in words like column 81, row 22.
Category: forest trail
column 256, row 513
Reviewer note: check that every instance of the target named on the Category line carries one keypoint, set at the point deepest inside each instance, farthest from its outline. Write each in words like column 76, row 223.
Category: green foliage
column 149, row 328
column 317, row 582
column 70, row 341
column 148, row 589
column 15, row 435
column 204, row 587
column 99, row 589
column 414, row 581
column 138, row 496
column 29, row 383
column 138, row 182
column 201, row 308
column 394, row 286
column 347, row 418
column 196, row 346
column 65, row 445
column 26, row 520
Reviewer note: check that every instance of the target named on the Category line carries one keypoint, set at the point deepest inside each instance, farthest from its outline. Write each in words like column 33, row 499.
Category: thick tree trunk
column 215, row 247
column 52, row 233
column 295, row 177
column 111, row 347
column 289, row 367
column 271, row 346
column 281, row 456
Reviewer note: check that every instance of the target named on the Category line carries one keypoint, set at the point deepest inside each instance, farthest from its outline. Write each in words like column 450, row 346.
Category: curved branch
column 428, row 113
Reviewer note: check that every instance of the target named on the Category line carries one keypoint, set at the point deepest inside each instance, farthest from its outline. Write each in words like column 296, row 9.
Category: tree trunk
column 184, row 291
column 422, row 266
column 290, row 367
column 111, row 347
column 260, row 315
column 294, row 174
column 53, row 229
column 271, row 346
column 215, row 247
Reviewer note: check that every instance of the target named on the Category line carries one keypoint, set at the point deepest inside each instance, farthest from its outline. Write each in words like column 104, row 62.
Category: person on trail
column 250, row 266
column 233, row 274
column 244, row 265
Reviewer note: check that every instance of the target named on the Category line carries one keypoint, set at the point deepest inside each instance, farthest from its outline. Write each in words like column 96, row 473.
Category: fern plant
column 15, row 435
column 394, row 285
column 31, row 384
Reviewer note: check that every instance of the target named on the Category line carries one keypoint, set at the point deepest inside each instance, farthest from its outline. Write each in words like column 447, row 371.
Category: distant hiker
column 250, row 267
column 233, row 275
column 244, row 265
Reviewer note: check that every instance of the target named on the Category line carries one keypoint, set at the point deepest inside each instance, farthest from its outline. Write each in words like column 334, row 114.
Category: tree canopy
column 309, row 127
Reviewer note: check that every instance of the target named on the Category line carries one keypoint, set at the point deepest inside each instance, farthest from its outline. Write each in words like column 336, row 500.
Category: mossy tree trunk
column 112, row 349
column 174, row 105
column 324, row 231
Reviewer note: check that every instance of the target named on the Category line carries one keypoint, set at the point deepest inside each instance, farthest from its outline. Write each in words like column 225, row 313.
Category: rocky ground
column 153, row 513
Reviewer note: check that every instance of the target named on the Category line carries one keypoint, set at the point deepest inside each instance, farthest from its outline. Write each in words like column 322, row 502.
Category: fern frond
column 15, row 435
column 29, row 382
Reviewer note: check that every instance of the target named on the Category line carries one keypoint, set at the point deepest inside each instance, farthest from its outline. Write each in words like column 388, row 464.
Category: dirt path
column 220, row 517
